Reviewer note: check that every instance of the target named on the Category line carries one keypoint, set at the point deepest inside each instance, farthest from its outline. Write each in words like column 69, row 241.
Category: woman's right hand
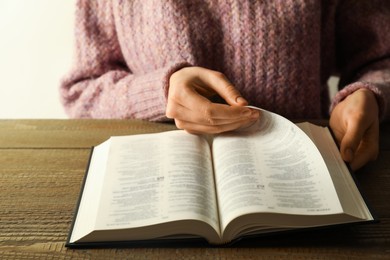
column 189, row 105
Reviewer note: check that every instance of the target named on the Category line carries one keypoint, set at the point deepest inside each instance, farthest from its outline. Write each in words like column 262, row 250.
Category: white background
column 36, row 49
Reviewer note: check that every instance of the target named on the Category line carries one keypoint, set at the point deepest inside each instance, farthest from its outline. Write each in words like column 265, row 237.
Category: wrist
column 367, row 89
column 173, row 69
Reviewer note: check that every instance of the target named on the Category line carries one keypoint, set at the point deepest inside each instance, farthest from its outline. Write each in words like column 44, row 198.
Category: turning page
column 273, row 167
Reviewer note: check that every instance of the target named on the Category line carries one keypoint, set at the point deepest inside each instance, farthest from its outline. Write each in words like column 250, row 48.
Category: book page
column 158, row 178
column 347, row 191
column 271, row 167
column 89, row 204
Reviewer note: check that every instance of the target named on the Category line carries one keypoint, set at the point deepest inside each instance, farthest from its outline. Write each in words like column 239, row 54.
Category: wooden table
column 42, row 164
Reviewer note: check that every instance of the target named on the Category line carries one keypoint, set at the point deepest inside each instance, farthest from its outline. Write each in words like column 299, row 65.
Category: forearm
column 375, row 78
column 117, row 94
column 102, row 83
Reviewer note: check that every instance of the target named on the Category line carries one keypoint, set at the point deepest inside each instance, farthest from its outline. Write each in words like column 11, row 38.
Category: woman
column 201, row 62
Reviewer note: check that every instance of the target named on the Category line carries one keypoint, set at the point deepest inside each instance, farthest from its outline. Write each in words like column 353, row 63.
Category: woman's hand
column 189, row 104
column 355, row 123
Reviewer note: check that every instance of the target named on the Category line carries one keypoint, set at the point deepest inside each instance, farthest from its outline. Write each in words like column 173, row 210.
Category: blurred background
column 36, row 49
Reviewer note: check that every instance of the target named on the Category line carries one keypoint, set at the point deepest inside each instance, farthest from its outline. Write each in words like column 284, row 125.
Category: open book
column 271, row 177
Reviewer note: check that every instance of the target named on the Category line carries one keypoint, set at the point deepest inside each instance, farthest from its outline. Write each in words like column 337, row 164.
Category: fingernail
column 255, row 114
column 247, row 113
column 240, row 100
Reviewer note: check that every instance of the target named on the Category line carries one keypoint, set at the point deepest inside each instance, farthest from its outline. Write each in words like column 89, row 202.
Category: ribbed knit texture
column 278, row 54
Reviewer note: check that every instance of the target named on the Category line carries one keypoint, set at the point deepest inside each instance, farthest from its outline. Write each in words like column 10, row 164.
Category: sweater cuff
column 379, row 91
column 165, row 82
column 154, row 96
column 168, row 75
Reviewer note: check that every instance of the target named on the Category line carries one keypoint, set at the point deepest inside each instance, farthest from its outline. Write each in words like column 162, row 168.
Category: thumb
column 231, row 95
column 351, row 140
column 224, row 88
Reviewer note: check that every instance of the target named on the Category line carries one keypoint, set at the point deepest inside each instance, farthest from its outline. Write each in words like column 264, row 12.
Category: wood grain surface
column 42, row 164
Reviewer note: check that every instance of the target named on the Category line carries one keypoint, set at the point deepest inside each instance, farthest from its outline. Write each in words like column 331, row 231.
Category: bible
column 273, row 176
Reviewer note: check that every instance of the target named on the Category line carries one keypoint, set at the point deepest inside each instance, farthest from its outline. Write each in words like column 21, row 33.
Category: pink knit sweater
column 278, row 54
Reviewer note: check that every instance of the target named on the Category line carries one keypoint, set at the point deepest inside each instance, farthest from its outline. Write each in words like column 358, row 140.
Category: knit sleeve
column 363, row 50
column 100, row 85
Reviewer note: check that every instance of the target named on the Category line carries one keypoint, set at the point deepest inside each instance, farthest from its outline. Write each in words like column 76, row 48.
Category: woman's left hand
column 355, row 123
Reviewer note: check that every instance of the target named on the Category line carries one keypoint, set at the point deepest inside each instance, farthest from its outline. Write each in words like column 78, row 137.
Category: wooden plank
column 38, row 190
column 52, row 250
column 82, row 133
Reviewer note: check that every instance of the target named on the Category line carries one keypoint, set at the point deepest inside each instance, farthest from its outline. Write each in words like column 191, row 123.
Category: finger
column 351, row 140
column 368, row 149
column 364, row 154
column 208, row 129
column 204, row 108
column 185, row 114
column 226, row 112
column 220, row 84
column 362, row 158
